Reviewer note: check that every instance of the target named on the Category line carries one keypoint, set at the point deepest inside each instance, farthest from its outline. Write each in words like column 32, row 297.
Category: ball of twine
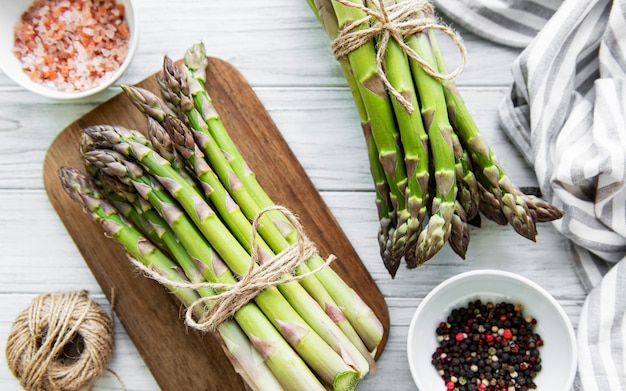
column 60, row 342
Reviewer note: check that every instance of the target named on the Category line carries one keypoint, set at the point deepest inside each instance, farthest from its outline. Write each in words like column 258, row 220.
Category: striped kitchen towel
column 567, row 115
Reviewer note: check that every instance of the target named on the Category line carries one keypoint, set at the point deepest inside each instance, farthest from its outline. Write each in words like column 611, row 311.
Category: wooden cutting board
column 178, row 357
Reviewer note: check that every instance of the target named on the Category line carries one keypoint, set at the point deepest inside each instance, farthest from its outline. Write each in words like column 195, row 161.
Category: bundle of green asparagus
column 181, row 199
column 434, row 173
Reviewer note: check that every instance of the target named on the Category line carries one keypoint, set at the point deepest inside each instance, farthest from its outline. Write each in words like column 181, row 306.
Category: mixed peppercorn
column 488, row 347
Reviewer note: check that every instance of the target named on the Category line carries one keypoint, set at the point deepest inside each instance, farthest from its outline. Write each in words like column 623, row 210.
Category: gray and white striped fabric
column 567, row 115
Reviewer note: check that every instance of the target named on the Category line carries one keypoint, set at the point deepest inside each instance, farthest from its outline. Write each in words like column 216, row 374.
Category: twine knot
column 260, row 275
column 60, row 342
column 395, row 21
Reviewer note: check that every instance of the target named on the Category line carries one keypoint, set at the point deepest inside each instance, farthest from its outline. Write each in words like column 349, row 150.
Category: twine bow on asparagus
column 394, row 21
column 268, row 274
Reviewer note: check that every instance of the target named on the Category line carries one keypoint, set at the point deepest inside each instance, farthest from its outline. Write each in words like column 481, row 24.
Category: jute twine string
column 394, row 21
column 271, row 273
column 37, row 345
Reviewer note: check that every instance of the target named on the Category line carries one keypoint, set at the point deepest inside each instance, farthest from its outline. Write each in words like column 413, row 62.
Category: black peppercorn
column 488, row 347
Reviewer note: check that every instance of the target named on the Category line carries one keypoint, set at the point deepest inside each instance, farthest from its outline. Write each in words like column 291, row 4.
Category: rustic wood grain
column 283, row 52
column 152, row 317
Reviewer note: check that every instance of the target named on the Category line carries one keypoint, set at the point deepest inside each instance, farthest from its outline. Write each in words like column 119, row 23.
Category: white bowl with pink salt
column 66, row 49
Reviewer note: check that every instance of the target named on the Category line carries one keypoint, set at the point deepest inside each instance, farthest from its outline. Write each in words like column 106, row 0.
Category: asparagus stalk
column 123, row 205
column 459, row 231
column 541, row 210
column 78, row 187
column 359, row 315
column 149, row 104
column 414, row 146
column 490, row 173
column 490, row 206
column 245, row 358
column 315, row 351
column 173, row 102
column 321, row 319
column 314, row 315
column 467, row 177
column 383, row 204
column 466, row 205
column 176, row 85
column 435, row 115
column 229, row 209
column 242, row 196
column 136, row 213
column 194, row 74
column 279, row 355
column 163, row 145
column 326, row 14
column 373, row 92
column 323, row 9
column 468, row 194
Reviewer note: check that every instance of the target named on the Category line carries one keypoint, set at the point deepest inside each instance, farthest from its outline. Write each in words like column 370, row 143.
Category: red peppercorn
column 503, row 317
column 450, row 385
column 489, row 338
column 539, row 342
column 459, row 337
column 507, row 334
column 482, row 387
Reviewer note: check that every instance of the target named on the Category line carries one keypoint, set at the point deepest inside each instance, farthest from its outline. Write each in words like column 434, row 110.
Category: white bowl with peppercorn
column 67, row 49
column 489, row 330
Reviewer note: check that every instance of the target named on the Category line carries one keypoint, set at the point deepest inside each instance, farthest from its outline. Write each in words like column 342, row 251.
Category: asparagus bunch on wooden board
column 433, row 171
column 246, row 359
column 188, row 210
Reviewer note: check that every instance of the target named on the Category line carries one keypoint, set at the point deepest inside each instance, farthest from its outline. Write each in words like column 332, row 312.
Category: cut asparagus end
column 346, row 381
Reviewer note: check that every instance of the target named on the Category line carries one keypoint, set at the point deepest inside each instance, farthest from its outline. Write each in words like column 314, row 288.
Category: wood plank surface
column 284, row 54
column 152, row 317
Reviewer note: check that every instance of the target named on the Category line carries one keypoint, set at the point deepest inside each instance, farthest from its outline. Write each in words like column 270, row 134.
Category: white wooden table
column 283, row 52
